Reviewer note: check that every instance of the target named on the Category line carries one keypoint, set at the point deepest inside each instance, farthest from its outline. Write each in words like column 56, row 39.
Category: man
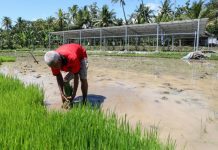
column 71, row 58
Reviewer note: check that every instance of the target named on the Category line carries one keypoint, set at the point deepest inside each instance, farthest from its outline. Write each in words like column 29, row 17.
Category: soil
column 177, row 98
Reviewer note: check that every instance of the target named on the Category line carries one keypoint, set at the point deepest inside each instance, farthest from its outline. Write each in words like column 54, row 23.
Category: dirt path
column 186, row 109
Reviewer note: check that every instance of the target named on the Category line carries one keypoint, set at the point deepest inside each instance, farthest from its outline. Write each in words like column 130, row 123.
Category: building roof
column 179, row 28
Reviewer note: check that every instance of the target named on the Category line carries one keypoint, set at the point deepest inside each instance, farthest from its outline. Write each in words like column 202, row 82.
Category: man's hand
column 64, row 98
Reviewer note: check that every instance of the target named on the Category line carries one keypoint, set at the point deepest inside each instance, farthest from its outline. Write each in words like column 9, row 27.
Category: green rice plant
column 7, row 59
column 26, row 124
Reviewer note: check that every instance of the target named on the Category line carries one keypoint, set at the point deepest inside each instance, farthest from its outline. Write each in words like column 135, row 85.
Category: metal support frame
column 157, row 37
column 172, row 42
column 63, row 39
column 195, row 42
column 100, row 38
column 49, row 41
column 80, row 37
column 198, row 30
column 126, row 34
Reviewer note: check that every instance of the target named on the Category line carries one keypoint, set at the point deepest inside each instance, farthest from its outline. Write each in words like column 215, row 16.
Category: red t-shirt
column 74, row 53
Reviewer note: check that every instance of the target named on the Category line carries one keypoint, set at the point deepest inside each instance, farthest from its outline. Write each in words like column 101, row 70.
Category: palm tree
column 17, row 31
column 197, row 10
column 122, row 3
column 50, row 22
column 93, row 8
column 166, row 13
column 79, row 21
column 61, row 19
column 19, row 22
column 143, row 14
column 86, row 17
column 7, row 23
column 73, row 12
column 1, row 38
column 106, row 17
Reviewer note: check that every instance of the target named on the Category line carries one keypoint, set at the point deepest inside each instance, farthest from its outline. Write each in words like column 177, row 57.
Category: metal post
column 153, row 42
column 198, row 30
column 128, row 43
column 195, row 42
column 80, row 37
column 100, row 38
column 172, row 42
column 126, row 32
column 49, row 41
column 94, row 44
column 63, row 39
column 157, row 37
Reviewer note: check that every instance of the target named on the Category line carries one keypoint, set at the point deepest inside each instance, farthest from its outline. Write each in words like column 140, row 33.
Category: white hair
column 51, row 57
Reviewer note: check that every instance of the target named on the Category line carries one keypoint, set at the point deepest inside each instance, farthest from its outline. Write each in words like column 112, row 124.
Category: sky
column 36, row 9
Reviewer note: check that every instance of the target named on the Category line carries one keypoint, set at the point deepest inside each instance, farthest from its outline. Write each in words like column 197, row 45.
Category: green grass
column 175, row 55
column 26, row 124
column 213, row 57
column 7, row 59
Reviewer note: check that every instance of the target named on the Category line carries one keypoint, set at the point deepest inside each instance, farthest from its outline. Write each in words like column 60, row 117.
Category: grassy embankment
column 26, row 124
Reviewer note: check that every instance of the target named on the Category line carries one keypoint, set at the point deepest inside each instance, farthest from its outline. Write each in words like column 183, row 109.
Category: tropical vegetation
column 32, row 34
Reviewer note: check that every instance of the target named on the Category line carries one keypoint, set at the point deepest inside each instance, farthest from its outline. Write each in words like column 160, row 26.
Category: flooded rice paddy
column 175, row 97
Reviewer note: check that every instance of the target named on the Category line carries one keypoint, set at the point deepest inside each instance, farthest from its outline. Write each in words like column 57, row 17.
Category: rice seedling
column 7, row 59
column 26, row 124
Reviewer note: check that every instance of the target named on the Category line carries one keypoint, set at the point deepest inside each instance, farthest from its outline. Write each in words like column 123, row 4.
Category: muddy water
column 173, row 96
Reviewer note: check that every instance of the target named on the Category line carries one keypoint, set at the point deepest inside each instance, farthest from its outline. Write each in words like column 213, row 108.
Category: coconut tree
column 93, row 9
column 61, row 19
column 7, row 23
column 86, row 17
column 118, row 21
column 143, row 14
column 79, row 19
column 19, row 23
column 197, row 10
column 50, row 23
column 106, row 17
column 18, row 29
column 122, row 3
column 1, row 38
column 181, row 12
column 72, row 14
column 166, row 13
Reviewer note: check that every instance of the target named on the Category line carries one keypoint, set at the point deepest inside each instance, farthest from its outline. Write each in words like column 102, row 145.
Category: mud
column 175, row 97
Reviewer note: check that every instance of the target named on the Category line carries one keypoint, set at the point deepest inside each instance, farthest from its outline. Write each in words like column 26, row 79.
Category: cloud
column 153, row 6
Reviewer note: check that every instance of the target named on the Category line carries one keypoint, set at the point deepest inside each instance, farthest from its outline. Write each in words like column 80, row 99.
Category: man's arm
column 75, row 86
column 60, row 82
